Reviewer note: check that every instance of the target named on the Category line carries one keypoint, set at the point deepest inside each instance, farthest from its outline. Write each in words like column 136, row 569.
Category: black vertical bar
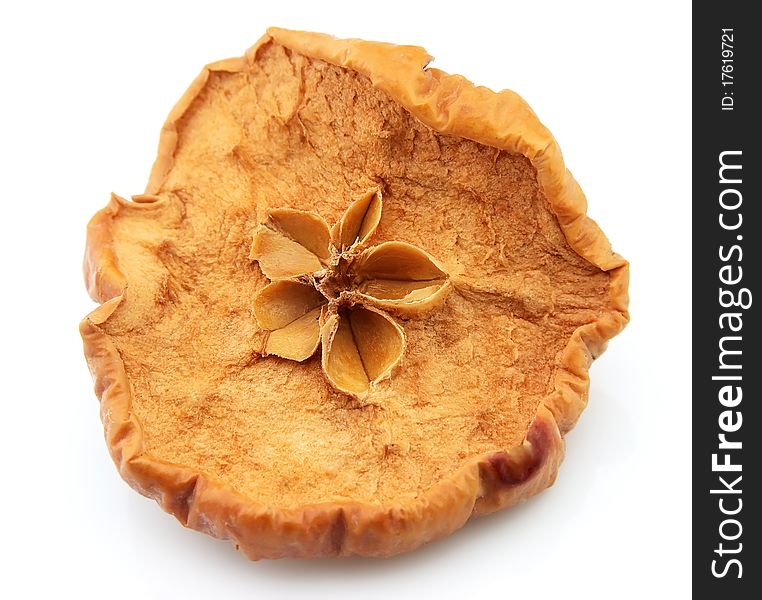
column 727, row 260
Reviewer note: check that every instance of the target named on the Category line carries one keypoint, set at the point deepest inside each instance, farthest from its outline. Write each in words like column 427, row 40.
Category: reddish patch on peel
column 521, row 464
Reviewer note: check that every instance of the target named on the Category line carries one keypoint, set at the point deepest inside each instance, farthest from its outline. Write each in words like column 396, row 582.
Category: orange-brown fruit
column 355, row 306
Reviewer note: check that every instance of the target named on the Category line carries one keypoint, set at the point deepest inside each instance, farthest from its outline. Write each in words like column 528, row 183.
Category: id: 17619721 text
column 726, row 74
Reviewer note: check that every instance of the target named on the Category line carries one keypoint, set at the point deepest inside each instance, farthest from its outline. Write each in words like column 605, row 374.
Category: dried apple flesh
column 298, row 133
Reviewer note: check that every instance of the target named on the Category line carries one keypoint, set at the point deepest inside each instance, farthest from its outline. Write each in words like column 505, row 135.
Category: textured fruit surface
column 294, row 132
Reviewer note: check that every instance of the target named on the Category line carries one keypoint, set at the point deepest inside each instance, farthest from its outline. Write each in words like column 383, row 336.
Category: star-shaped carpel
column 327, row 285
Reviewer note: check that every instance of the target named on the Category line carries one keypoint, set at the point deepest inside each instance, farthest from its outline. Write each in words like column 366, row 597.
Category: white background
column 84, row 92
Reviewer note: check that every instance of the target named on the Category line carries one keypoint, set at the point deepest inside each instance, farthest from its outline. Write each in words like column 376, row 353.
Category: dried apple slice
column 358, row 223
column 400, row 277
column 361, row 346
column 290, row 311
